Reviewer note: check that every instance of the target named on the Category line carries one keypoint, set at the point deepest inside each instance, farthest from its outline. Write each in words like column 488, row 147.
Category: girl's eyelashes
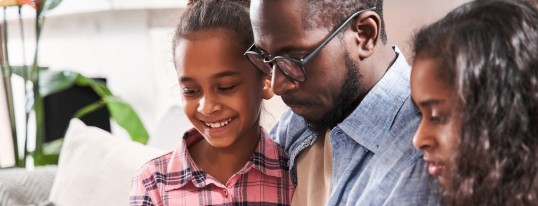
column 227, row 88
column 189, row 92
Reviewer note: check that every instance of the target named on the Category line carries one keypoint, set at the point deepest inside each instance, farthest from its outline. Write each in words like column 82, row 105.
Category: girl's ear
column 267, row 91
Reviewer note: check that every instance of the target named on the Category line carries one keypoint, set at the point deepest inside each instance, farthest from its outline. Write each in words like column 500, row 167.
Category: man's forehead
column 276, row 12
column 276, row 22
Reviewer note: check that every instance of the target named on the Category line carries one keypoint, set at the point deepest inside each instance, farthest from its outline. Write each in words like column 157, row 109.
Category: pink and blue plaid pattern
column 174, row 179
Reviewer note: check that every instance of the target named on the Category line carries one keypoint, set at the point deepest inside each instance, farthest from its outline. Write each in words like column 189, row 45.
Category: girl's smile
column 219, row 128
column 218, row 124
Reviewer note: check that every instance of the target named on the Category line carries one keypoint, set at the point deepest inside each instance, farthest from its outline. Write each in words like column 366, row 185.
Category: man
column 351, row 123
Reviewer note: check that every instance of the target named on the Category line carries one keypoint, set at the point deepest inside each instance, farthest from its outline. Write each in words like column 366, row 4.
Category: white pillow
column 95, row 167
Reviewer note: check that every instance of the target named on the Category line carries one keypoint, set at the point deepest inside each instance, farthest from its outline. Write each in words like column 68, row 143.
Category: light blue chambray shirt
column 374, row 161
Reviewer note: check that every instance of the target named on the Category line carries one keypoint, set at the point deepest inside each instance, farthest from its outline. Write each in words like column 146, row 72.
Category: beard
column 345, row 100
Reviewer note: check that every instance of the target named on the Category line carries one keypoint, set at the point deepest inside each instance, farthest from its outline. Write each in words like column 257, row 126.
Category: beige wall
column 404, row 17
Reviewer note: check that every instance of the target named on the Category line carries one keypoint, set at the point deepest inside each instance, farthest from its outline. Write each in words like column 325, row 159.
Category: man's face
column 323, row 97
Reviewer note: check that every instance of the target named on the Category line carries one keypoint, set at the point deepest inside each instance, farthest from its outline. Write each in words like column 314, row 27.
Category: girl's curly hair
column 487, row 51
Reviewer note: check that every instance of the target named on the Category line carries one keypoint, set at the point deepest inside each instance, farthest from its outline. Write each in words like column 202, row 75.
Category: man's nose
column 281, row 82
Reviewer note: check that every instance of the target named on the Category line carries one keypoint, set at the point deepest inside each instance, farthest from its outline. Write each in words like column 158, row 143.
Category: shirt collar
column 377, row 111
column 268, row 158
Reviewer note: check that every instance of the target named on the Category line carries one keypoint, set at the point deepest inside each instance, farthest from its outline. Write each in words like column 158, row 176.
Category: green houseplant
column 42, row 82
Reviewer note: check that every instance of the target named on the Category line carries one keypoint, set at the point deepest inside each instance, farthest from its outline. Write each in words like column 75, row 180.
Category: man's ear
column 367, row 31
column 267, row 91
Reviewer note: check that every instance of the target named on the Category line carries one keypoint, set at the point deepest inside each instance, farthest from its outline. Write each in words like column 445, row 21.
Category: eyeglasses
column 293, row 67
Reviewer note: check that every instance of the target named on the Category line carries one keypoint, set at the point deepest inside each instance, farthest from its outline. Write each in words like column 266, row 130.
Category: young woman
column 227, row 159
column 475, row 81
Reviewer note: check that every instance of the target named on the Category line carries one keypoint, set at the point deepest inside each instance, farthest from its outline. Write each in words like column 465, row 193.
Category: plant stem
column 27, row 79
column 6, row 52
column 11, row 112
column 24, row 65
column 6, row 73
column 39, row 116
column 38, row 99
column 89, row 109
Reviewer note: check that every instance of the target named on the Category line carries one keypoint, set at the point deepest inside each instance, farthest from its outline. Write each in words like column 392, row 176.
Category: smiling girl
column 227, row 158
column 475, row 81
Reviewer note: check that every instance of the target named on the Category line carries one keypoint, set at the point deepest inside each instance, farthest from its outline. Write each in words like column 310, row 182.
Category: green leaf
column 89, row 109
column 48, row 5
column 120, row 111
column 18, row 70
column 100, row 88
column 50, row 153
column 46, row 159
column 53, row 147
column 51, row 82
column 126, row 117
column 22, row 70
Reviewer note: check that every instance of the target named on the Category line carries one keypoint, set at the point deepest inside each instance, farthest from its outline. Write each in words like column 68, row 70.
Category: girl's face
column 438, row 132
column 222, row 91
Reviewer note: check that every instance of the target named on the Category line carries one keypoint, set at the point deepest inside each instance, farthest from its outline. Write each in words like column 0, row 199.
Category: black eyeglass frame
column 301, row 61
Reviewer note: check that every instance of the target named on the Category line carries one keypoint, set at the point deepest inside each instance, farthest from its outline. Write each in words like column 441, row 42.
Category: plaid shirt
column 174, row 179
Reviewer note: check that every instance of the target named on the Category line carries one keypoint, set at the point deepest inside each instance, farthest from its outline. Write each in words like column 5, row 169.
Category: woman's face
column 438, row 132
column 222, row 90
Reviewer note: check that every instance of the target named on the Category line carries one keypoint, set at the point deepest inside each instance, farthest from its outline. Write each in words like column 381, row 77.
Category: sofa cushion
column 95, row 167
column 19, row 186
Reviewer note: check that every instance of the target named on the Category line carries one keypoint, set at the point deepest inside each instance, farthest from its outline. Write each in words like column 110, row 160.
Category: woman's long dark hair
column 487, row 51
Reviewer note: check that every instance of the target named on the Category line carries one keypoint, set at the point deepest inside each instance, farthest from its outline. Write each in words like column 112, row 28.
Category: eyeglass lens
column 257, row 60
column 292, row 69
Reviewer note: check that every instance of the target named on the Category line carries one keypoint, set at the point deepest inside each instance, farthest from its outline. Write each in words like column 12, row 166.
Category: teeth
column 219, row 124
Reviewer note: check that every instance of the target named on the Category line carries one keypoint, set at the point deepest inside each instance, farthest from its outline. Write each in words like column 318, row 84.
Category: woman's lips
column 435, row 168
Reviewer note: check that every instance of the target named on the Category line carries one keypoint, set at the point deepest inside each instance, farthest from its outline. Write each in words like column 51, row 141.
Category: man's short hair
column 329, row 13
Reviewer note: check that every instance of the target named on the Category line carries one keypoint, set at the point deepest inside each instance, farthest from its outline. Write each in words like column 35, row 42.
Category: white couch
column 95, row 168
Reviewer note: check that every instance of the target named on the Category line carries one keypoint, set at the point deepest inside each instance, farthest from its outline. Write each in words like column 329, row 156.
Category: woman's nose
column 424, row 138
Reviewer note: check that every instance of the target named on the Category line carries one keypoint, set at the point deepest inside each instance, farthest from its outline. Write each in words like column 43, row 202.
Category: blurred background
column 128, row 43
